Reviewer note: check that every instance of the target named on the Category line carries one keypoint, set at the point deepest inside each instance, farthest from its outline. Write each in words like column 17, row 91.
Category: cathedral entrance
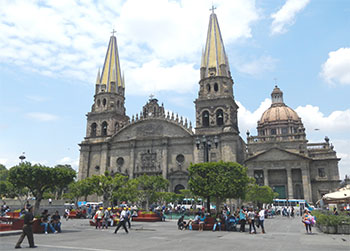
column 178, row 188
column 281, row 190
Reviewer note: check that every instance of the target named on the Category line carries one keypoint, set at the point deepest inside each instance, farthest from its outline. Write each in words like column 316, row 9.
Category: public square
column 282, row 234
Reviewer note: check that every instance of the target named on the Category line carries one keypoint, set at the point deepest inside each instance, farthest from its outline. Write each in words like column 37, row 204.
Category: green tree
column 220, row 180
column 149, row 186
column 260, row 194
column 64, row 175
column 129, row 192
column 105, row 185
column 36, row 178
column 78, row 189
column 3, row 173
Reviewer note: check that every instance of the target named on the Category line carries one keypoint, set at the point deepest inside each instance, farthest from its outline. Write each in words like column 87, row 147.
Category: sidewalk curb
column 8, row 233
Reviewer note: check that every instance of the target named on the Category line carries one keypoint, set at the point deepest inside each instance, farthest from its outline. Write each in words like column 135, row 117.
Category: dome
column 279, row 113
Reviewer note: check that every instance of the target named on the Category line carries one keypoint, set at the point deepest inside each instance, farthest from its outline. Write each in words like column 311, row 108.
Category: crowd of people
column 230, row 220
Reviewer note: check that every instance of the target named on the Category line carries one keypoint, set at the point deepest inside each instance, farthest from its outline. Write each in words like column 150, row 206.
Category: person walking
column 98, row 217
column 251, row 221
column 128, row 217
column 27, row 229
column 242, row 219
column 262, row 219
column 122, row 221
column 307, row 220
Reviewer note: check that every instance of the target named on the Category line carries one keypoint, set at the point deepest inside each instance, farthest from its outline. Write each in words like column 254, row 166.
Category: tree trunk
column 208, row 204
column 38, row 199
column 218, row 203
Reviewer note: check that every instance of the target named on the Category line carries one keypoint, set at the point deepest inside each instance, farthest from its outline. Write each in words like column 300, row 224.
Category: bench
column 208, row 224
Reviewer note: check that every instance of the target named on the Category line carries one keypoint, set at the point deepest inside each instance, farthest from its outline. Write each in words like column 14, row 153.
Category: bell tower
column 108, row 111
column 216, row 109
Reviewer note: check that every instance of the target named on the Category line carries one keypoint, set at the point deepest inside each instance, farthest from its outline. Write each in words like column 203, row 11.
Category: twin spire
column 111, row 76
column 214, row 59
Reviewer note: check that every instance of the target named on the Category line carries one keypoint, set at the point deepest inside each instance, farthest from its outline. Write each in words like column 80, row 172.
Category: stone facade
column 158, row 143
column 281, row 157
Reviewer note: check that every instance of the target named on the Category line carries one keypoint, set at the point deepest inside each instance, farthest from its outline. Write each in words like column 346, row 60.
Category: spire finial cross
column 275, row 81
column 113, row 31
column 151, row 96
column 212, row 8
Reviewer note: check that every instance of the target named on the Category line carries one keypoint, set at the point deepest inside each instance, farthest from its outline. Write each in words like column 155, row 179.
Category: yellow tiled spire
column 111, row 68
column 214, row 60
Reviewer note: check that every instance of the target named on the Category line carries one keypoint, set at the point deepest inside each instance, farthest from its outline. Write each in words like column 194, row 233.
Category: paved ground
column 282, row 234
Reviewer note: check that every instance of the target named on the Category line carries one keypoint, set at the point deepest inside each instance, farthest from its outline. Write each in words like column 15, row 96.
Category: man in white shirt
column 262, row 219
column 122, row 221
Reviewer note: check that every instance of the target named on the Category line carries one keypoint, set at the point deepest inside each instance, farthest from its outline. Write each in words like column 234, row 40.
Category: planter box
column 343, row 229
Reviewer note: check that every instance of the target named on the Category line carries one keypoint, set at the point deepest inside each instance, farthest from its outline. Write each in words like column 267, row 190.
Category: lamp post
column 206, row 145
column 22, row 157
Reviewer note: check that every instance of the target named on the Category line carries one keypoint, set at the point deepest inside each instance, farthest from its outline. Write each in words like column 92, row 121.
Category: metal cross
column 275, row 81
column 212, row 8
column 113, row 31
column 151, row 96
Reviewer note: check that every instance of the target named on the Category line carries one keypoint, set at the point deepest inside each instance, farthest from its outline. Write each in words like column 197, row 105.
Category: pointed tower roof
column 111, row 68
column 214, row 59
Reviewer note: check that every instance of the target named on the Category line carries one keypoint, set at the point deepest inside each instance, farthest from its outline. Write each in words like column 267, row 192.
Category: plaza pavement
column 282, row 234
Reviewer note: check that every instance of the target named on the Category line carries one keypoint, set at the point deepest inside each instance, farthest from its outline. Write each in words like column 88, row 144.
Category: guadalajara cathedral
column 155, row 142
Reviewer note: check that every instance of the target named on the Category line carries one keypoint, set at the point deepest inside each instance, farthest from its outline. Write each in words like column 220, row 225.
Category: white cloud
column 248, row 120
column 69, row 161
column 4, row 161
column 257, row 66
column 286, row 15
column 68, row 39
column 41, row 116
column 36, row 98
column 337, row 67
column 153, row 77
column 313, row 118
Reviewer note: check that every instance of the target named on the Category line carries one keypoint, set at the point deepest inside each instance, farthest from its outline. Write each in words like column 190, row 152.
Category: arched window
column 118, row 103
column 208, row 87
column 104, row 128
column 93, row 130
column 205, row 118
column 219, row 117
column 216, row 87
column 98, row 102
column 178, row 188
column 116, row 126
column 104, row 102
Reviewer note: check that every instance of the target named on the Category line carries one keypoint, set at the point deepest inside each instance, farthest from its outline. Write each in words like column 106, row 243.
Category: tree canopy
column 38, row 179
column 220, row 180
column 149, row 186
column 260, row 194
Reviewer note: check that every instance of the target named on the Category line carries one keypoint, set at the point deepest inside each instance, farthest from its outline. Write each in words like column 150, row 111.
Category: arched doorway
column 178, row 188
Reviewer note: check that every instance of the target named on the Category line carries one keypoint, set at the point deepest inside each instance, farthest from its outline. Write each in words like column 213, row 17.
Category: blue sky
column 50, row 52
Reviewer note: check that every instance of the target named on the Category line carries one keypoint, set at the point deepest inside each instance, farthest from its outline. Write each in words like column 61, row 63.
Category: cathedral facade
column 158, row 143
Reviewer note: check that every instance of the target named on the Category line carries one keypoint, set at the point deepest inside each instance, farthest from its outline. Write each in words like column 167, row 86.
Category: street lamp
column 206, row 145
column 22, row 157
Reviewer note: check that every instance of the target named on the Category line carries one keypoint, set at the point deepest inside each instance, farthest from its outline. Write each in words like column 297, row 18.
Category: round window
column 180, row 158
column 120, row 161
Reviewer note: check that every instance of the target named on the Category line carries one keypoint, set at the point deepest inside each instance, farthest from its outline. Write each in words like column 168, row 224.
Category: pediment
column 151, row 128
column 277, row 154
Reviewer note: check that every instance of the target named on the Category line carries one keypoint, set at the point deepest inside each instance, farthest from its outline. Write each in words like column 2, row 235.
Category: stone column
column 266, row 177
column 290, row 183
column 164, row 158
column 132, row 160
column 103, row 159
column 306, row 184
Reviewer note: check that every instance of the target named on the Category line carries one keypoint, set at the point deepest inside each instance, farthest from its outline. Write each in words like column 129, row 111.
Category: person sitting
column 181, row 224
column 56, row 221
column 217, row 223
column 44, row 221
column 201, row 222
column 232, row 222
